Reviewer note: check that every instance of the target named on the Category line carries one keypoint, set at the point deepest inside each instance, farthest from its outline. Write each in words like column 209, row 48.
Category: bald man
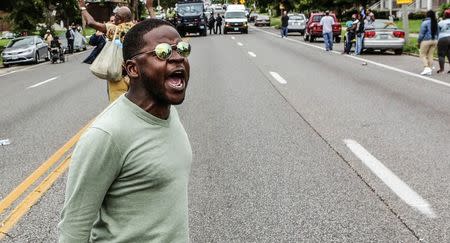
column 123, row 21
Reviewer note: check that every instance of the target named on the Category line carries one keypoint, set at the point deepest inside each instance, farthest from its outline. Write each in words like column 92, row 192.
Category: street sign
column 404, row 2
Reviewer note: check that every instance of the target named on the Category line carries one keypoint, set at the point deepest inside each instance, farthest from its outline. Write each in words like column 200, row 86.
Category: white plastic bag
column 108, row 64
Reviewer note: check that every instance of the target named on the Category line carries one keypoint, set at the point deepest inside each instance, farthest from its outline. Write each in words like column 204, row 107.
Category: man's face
column 164, row 81
column 117, row 19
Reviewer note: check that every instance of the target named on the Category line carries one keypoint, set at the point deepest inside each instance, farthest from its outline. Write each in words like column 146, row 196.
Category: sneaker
column 426, row 71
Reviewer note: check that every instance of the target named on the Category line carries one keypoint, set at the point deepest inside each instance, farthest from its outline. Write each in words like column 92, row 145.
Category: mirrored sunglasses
column 164, row 51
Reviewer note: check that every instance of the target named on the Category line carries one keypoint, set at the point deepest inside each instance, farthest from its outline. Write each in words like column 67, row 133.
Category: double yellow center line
column 24, row 206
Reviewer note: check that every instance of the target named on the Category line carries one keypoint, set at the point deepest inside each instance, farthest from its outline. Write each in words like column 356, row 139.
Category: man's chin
column 177, row 101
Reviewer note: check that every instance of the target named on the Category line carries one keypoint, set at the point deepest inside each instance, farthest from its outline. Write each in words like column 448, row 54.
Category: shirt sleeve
column 96, row 163
column 423, row 28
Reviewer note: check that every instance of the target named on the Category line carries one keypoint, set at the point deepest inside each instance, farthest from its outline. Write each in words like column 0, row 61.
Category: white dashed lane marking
column 399, row 187
column 280, row 79
column 41, row 83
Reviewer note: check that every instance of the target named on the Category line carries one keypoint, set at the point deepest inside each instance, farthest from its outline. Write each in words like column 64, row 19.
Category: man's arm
column 89, row 19
column 96, row 163
column 149, row 5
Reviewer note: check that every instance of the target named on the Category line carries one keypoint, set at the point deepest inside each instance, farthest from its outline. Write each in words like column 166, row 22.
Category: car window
column 297, row 17
column 317, row 18
column 190, row 9
column 21, row 42
column 231, row 15
column 384, row 24
column 39, row 41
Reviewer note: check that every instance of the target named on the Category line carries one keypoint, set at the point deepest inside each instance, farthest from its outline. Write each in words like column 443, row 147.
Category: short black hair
column 134, row 39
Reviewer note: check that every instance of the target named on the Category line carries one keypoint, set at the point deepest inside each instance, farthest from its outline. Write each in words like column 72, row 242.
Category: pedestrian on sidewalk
column 351, row 34
column 129, row 173
column 284, row 24
column 444, row 41
column 218, row 25
column 327, row 23
column 48, row 37
column 211, row 23
column 428, row 39
column 70, row 36
column 360, row 31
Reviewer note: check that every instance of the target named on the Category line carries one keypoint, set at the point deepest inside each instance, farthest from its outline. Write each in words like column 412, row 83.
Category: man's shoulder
column 112, row 119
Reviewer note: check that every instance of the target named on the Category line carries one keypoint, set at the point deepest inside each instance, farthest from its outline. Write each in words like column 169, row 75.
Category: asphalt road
column 290, row 143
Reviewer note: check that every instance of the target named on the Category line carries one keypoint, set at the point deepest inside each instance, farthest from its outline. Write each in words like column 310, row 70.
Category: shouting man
column 129, row 183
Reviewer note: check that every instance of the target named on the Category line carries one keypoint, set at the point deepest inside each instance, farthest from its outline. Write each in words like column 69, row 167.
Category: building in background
column 415, row 6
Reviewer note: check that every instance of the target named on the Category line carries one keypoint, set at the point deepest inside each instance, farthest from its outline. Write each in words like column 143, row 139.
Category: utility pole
column 405, row 19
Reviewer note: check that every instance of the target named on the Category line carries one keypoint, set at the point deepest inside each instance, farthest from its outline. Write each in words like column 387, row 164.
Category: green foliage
column 26, row 22
column 414, row 25
column 412, row 46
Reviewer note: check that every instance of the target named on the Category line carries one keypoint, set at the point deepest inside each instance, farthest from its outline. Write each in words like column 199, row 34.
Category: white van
column 235, row 21
column 236, row 7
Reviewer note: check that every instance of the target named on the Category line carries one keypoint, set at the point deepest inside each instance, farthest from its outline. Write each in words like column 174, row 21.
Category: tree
column 21, row 22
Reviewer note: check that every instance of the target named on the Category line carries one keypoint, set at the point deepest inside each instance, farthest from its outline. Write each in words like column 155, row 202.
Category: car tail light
column 370, row 34
column 399, row 34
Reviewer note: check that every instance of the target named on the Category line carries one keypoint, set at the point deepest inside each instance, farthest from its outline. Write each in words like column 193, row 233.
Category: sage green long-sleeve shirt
column 128, row 179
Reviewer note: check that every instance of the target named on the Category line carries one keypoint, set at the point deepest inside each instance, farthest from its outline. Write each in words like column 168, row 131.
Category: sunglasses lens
column 184, row 49
column 163, row 51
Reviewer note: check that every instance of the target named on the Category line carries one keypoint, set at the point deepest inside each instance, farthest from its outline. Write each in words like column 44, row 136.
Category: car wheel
column 5, row 65
column 311, row 39
column 398, row 51
column 36, row 58
column 225, row 32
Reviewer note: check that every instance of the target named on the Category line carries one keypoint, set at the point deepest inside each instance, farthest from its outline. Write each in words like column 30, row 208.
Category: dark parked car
column 314, row 28
column 79, row 44
column 25, row 49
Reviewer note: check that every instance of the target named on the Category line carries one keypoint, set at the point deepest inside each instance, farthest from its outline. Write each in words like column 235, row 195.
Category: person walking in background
column 360, row 30
column 284, row 24
column 444, row 41
column 48, row 37
column 218, row 25
column 327, row 23
column 211, row 23
column 70, row 36
column 428, row 39
column 369, row 20
column 351, row 34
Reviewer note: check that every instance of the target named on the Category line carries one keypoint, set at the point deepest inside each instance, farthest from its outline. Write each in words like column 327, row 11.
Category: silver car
column 297, row 23
column 25, row 49
column 262, row 20
column 384, row 35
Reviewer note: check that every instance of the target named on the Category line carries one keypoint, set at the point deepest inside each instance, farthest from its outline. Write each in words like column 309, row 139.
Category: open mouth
column 177, row 80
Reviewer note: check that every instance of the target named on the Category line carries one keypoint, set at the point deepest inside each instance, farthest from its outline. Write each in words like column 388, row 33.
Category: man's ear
column 132, row 69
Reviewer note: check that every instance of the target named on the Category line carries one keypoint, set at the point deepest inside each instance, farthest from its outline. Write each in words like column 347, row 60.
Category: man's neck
column 150, row 105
